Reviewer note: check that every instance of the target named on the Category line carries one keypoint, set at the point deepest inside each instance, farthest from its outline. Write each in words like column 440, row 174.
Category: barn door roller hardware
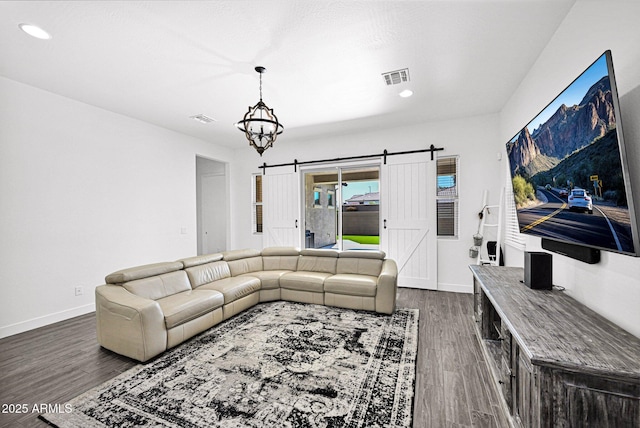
column 383, row 155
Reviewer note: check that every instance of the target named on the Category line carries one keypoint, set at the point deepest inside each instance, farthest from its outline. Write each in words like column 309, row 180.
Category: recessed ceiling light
column 35, row 31
column 406, row 93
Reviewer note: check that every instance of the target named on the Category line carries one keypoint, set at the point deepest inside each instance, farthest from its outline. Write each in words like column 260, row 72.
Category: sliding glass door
column 342, row 207
column 360, row 208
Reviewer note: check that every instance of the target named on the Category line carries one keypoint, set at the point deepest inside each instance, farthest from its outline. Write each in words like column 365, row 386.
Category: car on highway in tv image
column 579, row 200
column 569, row 171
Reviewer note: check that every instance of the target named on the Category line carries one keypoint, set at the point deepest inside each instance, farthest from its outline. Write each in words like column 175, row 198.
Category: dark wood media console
column 555, row 362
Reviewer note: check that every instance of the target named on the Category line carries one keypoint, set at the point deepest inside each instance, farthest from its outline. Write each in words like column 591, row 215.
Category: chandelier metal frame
column 256, row 119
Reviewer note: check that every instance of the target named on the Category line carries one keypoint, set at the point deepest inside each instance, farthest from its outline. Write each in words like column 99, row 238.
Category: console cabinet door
column 507, row 382
column 522, row 406
column 587, row 401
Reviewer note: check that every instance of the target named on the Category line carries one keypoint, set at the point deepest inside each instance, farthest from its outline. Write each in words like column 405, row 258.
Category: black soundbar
column 577, row 252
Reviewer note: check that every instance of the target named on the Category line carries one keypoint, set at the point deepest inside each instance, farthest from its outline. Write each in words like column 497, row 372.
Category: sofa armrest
column 129, row 324
column 387, row 287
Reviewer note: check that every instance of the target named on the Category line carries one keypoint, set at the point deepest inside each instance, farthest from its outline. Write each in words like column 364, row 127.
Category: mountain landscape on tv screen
column 575, row 143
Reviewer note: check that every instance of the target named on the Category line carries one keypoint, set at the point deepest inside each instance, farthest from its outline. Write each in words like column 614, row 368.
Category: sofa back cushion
column 280, row 262
column 361, row 262
column 318, row 261
column 240, row 266
column 243, row 261
column 206, row 273
column 280, row 258
column 359, row 266
column 159, row 286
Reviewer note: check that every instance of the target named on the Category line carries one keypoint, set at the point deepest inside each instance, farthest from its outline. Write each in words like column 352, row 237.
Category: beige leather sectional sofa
column 143, row 311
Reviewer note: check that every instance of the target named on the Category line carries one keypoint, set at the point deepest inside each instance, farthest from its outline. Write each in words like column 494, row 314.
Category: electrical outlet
column 78, row 291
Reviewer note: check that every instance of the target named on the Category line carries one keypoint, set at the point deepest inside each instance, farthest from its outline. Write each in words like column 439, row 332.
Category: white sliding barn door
column 281, row 205
column 408, row 221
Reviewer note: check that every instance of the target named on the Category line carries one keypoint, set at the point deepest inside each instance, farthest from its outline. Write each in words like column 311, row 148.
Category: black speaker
column 537, row 270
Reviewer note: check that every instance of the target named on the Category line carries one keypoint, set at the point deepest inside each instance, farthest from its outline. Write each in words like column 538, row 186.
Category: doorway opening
column 212, row 200
column 342, row 208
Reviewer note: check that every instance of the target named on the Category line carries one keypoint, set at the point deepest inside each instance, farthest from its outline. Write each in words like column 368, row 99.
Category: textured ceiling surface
column 164, row 61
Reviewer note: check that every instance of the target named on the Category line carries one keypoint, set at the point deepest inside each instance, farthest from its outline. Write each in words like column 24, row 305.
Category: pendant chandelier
column 260, row 125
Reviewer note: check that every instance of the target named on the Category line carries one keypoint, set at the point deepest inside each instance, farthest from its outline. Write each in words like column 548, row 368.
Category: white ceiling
column 164, row 61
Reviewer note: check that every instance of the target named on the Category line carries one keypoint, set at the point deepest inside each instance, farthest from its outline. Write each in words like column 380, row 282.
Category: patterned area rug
column 278, row 364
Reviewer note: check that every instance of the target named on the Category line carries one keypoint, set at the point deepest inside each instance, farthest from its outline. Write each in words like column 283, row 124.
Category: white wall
column 473, row 139
column 611, row 287
column 85, row 192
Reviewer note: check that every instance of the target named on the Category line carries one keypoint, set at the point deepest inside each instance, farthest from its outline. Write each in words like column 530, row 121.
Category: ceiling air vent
column 202, row 118
column 396, row 77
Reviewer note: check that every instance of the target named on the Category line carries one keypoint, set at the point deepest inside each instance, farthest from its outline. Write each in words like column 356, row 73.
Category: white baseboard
column 456, row 288
column 42, row 321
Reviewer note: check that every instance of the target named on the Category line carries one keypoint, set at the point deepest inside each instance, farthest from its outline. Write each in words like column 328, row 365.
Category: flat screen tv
column 569, row 168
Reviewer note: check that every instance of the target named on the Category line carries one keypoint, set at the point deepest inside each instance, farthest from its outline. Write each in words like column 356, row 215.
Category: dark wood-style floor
column 53, row 364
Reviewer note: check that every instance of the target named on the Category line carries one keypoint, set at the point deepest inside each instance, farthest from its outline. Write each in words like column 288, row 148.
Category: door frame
column 338, row 166
column 199, row 206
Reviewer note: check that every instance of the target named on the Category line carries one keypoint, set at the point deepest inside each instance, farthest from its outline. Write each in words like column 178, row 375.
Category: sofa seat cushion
column 304, row 281
column 235, row 287
column 186, row 306
column 269, row 279
column 351, row 284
